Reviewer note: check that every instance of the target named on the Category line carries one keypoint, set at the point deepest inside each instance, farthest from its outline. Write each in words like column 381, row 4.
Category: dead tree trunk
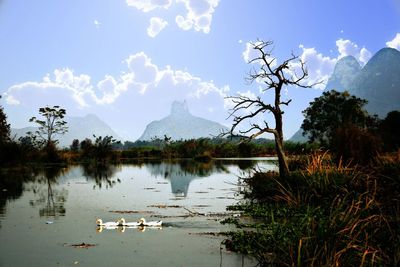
column 275, row 77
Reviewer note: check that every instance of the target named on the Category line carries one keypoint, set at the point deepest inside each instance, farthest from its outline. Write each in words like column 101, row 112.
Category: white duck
column 100, row 222
column 122, row 222
column 142, row 222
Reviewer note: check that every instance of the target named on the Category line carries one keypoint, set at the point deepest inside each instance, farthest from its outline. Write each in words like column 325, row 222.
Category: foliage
column 51, row 125
column 331, row 111
column 100, row 151
column 4, row 127
column 339, row 123
column 322, row 215
column 75, row 145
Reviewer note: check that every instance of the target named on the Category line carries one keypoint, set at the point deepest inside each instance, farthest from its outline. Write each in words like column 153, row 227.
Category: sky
column 126, row 61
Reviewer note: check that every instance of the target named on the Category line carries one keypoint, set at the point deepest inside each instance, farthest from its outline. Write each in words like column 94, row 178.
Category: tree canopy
column 52, row 124
column 333, row 110
column 4, row 126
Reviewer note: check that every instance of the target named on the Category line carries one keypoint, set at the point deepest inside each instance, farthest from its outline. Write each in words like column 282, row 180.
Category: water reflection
column 51, row 192
column 181, row 174
column 12, row 185
column 50, row 200
column 102, row 174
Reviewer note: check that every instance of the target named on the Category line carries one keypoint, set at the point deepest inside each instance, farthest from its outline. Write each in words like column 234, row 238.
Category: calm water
column 43, row 212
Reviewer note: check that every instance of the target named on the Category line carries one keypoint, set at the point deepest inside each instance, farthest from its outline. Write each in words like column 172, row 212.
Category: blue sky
column 127, row 60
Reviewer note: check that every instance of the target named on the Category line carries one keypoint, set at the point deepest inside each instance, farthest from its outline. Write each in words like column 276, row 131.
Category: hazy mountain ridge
column 78, row 128
column 181, row 124
column 344, row 73
column 378, row 82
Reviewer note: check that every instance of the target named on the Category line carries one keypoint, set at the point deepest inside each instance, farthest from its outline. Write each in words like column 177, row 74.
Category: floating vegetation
column 81, row 245
column 131, row 211
column 163, row 206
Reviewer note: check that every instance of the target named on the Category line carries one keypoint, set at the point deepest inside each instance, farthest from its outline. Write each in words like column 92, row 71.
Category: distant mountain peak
column 78, row 128
column 344, row 73
column 180, row 124
column 179, row 108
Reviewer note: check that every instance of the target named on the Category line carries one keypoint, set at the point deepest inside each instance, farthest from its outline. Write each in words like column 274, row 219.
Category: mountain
column 378, row 82
column 180, row 124
column 78, row 128
column 346, row 69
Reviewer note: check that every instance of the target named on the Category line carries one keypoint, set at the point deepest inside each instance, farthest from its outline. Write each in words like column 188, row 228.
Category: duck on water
column 122, row 222
column 141, row 222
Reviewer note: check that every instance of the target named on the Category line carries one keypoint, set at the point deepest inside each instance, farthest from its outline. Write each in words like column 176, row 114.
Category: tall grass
column 326, row 214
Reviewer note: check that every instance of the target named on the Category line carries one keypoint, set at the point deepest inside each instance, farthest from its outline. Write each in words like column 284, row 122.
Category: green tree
column 331, row 111
column 102, row 148
column 51, row 125
column 274, row 77
column 4, row 127
column 75, row 145
column 339, row 123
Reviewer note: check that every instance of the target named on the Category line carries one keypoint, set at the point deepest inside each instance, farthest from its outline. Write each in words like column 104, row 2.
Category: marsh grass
column 326, row 214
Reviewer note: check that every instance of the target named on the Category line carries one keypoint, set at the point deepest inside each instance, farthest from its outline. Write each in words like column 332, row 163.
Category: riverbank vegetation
column 322, row 214
column 336, row 206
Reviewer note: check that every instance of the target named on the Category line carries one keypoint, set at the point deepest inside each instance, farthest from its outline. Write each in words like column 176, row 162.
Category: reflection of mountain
column 180, row 175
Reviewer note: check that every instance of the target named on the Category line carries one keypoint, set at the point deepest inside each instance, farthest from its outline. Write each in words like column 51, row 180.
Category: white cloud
column 364, row 55
column 319, row 67
column 395, row 43
column 349, row 48
column 149, row 5
column 156, row 26
column 198, row 16
column 144, row 71
column 63, row 81
column 250, row 53
column 97, row 23
column 198, row 13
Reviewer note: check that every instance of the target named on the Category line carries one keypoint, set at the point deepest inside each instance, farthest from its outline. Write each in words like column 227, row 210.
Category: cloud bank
column 142, row 92
column 198, row 14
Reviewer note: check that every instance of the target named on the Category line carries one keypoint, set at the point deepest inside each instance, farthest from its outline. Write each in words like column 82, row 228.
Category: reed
column 324, row 215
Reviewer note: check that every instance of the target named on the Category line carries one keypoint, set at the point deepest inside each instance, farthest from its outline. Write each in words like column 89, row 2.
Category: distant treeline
column 207, row 148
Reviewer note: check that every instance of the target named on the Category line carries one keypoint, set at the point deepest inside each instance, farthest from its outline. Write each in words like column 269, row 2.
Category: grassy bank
column 323, row 214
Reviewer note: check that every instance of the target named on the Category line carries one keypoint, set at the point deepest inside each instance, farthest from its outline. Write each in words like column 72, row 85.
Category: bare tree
column 274, row 77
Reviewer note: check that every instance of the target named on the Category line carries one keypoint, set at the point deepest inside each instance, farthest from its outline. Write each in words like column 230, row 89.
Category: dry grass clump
column 324, row 215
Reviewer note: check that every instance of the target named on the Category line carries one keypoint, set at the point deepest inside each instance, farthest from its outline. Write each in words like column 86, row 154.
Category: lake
column 47, row 213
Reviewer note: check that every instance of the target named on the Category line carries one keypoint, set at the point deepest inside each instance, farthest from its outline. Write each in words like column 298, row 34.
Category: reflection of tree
column 50, row 200
column 101, row 173
column 182, row 173
column 245, row 164
column 12, row 185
